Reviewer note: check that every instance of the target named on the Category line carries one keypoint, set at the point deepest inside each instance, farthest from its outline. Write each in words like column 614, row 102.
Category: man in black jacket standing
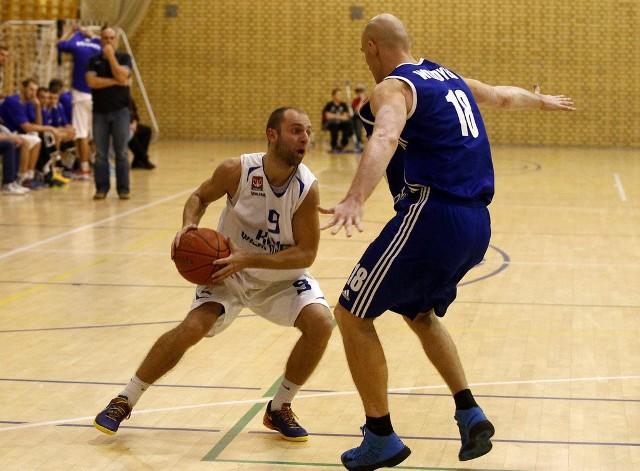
column 108, row 76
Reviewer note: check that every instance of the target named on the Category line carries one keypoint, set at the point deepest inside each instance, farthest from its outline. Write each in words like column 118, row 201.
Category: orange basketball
column 197, row 251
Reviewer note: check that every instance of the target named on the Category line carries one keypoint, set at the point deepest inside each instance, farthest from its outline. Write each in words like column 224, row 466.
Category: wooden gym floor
column 548, row 328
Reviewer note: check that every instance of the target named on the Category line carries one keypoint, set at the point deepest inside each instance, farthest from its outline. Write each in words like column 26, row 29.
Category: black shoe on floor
column 144, row 165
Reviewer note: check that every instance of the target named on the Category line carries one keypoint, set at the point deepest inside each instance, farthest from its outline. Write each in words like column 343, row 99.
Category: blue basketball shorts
column 416, row 262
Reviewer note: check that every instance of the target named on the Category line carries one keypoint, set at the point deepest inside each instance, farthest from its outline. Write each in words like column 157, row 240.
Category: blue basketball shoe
column 109, row 419
column 475, row 431
column 375, row 452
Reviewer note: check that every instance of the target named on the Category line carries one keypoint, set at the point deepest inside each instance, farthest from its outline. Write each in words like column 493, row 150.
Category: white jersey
column 258, row 218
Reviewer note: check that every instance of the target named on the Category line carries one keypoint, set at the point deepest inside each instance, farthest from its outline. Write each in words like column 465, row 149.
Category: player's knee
column 427, row 318
column 198, row 323
column 351, row 324
column 316, row 322
column 423, row 324
column 324, row 326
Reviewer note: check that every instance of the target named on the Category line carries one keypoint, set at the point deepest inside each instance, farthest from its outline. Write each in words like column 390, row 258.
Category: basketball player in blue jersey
column 83, row 44
column 272, row 226
column 427, row 134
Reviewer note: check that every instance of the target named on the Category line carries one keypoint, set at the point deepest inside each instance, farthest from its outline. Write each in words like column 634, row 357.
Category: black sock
column 464, row 400
column 380, row 426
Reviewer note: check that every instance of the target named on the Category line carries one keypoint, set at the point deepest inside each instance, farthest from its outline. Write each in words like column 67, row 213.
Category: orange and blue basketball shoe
column 284, row 421
column 109, row 419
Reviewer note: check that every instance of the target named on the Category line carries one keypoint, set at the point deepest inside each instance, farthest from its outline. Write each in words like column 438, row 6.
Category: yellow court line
column 68, row 274
column 21, row 294
column 75, row 230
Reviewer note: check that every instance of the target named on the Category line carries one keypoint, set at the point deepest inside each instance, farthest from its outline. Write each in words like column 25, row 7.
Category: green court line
column 339, row 465
column 237, row 428
column 242, row 423
column 228, row 437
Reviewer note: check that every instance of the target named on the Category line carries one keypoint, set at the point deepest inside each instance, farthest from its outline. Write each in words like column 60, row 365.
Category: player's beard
column 287, row 155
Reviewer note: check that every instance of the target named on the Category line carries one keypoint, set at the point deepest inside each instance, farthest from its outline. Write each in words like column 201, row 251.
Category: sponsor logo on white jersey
column 256, row 183
column 257, row 186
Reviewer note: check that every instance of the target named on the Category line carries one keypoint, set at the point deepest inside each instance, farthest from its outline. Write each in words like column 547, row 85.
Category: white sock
column 84, row 166
column 30, row 174
column 286, row 392
column 134, row 390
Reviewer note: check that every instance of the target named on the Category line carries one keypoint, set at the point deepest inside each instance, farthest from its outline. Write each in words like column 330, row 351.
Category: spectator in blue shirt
column 65, row 98
column 16, row 111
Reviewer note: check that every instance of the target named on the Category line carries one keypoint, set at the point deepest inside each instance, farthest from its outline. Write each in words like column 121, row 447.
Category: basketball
column 197, row 251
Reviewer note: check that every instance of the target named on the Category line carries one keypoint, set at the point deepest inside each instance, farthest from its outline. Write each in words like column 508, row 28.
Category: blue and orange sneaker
column 109, row 419
column 475, row 431
column 284, row 421
column 375, row 452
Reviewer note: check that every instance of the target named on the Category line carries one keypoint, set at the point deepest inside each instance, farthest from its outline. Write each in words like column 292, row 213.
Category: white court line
column 620, row 187
column 560, row 264
column 93, row 224
column 264, row 400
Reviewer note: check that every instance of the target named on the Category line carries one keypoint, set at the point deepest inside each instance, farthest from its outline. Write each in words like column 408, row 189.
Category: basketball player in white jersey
column 272, row 226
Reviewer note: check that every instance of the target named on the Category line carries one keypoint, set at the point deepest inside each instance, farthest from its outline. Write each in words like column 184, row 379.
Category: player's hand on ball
column 236, row 261
column 179, row 234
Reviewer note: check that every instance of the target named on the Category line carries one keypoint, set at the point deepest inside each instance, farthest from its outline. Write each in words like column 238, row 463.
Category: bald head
column 387, row 32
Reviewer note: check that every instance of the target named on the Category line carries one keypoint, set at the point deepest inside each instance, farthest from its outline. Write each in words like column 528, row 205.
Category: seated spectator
column 335, row 118
column 60, row 121
column 62, row 106
column 42, row 94
column 59, row 118
column 16, row 113
column 40, row 112
column 139, row 140
column 10, row 150
column 65, row 98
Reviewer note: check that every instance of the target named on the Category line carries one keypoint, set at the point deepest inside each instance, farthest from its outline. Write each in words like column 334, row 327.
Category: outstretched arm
column 515, row 98
column 389, row 106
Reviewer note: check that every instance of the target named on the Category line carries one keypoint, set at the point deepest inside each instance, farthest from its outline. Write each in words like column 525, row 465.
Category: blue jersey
column 441, row 178
column 47, row 117
column 58, row 116
column 66, row 101
column 14, row 113
column 32, row 114
column 444, row 144
column 82, row 48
